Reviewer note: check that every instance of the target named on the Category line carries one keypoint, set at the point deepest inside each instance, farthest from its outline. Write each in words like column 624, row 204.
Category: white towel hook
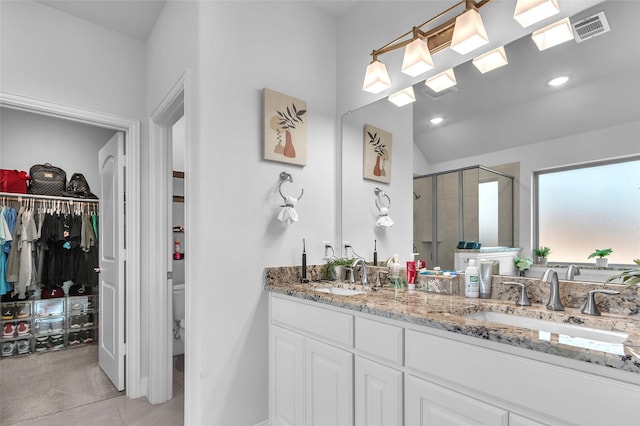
column 381, row 194
column 286, row 177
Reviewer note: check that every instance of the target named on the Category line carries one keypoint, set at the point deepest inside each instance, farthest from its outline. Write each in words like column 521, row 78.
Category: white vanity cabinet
column 378, row 375
column 429, row 404
column 329, row 385
column 379, row 396
column 335, row 366
column 311, row 365
column 286, row 377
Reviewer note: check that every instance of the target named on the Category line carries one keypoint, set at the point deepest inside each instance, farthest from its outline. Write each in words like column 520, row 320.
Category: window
column 588, row 207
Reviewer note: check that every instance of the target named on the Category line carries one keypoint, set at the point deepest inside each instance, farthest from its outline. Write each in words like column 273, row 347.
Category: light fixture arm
column 437, row 39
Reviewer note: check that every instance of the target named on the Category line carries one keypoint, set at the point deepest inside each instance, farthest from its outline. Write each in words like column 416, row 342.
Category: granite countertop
column 447, row 312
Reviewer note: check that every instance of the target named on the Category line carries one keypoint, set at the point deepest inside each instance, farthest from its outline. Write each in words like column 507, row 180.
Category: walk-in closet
column 49, row 265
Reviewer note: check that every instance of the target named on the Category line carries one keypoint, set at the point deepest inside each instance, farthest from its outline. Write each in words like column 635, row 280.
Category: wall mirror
column 509, row 118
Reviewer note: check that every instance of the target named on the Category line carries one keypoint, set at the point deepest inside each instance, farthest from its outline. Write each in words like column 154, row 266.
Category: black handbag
column 78, row 187
column 47, row 180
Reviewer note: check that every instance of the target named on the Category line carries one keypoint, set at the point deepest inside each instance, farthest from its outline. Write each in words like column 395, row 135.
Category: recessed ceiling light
column 558, row 81
column 436, row 120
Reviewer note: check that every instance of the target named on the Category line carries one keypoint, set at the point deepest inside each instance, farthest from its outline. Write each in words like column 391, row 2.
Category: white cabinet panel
column 381, row 340
column 287, row 377
column 516, row 420
column 428, row 404
column 378, row 389
column 329, row 385
column 324, row 324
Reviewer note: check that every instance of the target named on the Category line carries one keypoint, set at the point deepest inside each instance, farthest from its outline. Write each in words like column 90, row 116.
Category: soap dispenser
column 394, row 272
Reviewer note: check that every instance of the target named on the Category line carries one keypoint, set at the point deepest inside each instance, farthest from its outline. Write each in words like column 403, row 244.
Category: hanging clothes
column 5, row 243
column 52, row 242
column 26, row 274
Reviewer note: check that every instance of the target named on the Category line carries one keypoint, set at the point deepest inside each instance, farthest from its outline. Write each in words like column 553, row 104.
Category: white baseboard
column 264, row 423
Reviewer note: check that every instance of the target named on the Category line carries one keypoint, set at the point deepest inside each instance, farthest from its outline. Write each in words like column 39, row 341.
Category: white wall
column 50, row 55
column 27, row 139
column 234, row 198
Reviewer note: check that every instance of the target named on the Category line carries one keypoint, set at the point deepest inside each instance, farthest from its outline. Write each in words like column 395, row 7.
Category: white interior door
column 112, row 256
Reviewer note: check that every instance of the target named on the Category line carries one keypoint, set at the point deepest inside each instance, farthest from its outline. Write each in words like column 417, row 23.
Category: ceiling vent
column 426, row 91
column 590, row 27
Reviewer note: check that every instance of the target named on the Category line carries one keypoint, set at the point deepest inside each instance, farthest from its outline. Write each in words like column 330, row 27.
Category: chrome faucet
column 550, row 276
column 364, row 279
column 572, row 271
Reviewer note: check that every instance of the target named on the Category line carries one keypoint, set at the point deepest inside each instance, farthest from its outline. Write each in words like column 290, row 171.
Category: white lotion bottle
column 471, row 280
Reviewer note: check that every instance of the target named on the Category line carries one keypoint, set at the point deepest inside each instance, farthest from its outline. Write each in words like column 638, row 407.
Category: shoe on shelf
column 57, row 341
column 23, row 346
column 74, row 338
column 57, row 325
column 22, row 310
column 86, row 336
column 42, row 343
column 8, row 330
column 8, row 348
column 76, row 307
column 23, row 328
column 76, row 321
column 42, row 327
column 8, row 312
column 88, row 320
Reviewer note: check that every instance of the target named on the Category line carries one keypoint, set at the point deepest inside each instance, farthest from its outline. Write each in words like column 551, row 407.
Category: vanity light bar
column 553, row 35
column 442, row 81
column 403, row 97
column 528, row 12
column 376, row 78
column 491, row 60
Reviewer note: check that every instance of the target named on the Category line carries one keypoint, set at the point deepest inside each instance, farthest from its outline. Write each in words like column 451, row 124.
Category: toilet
column 178, row 319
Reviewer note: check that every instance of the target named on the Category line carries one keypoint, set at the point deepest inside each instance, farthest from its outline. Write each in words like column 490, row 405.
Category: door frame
column 131, row 128
column 170, row 109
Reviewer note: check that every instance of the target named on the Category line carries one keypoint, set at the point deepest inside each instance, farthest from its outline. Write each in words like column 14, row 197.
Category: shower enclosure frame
column 435, row 255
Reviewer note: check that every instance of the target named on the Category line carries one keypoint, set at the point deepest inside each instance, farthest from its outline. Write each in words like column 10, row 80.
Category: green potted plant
column 630, row 277
column 601, row 257
column 522, row 263
column 333, row 269
column 541, row 254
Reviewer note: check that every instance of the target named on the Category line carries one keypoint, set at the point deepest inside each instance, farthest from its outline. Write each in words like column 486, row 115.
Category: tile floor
column 122, row 411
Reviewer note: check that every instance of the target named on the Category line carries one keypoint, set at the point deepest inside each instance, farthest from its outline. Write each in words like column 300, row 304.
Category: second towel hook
column 286, row 177
column 381, row 194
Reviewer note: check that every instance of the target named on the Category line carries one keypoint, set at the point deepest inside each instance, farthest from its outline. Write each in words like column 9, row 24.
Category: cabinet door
column 516, row 420
column 378, row 391
column 428, row 404
column 286, row 379
column 329, row 385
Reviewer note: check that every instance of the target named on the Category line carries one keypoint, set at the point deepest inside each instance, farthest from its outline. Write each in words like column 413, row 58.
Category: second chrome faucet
column 550, row 276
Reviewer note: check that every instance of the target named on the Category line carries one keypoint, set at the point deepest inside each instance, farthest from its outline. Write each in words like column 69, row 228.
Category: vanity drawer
column 380, row 340
column 324, row 324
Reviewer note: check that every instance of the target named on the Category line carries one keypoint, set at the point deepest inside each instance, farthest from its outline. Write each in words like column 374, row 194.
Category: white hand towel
column 288, row 213
column 384, row 220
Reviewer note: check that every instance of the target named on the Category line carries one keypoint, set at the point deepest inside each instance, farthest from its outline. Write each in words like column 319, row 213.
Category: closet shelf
column 17, row 197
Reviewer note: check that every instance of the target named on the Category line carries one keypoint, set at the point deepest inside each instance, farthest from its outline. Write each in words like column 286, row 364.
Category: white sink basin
column 339, row 291
column 568, row 334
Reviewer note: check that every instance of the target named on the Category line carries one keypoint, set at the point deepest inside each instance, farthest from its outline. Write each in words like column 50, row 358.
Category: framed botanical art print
column 285, row 128
column 377, row 154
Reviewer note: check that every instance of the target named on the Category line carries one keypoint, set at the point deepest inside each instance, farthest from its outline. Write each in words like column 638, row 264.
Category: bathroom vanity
column 396, row 357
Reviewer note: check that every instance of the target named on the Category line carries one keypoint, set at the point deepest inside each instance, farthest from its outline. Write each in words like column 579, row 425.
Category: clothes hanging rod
column 19, row 197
